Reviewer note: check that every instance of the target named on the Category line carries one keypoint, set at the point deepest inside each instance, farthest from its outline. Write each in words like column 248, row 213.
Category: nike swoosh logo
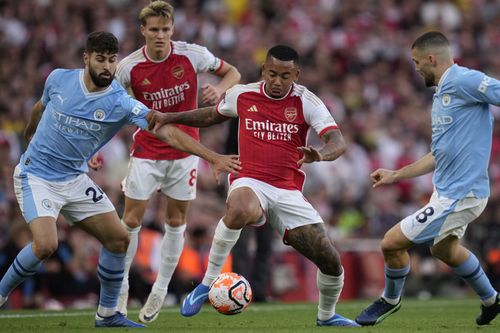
column 192, row 300
column 148, row 318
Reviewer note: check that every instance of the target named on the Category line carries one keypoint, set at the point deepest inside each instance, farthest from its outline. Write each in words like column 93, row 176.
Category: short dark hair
column 101, row 42
column 430, row 39
column 283, row 53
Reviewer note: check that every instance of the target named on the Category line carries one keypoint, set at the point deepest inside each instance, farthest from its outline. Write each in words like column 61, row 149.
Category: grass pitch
column 433, row 316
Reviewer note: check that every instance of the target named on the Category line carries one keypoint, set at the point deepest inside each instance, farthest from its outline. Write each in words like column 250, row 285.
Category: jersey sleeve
column 480, row 87
column 123, row 73
column 49, row 84
column 227, row 103
column 136, row 111
column 204, row 60
column 317, row 115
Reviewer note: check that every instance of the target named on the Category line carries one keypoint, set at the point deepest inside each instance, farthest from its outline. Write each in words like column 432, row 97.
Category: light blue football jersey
column 462, row 126
column 75, row 124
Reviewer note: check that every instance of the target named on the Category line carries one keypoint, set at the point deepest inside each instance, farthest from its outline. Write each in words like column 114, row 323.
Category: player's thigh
column 44, row 232
column 291, row 210
column 85, row 199
column 179, row 181
column 246, row 203
column 395, row 240
column 133, row 211
column 177, row 211
column 143, row 178
column 106, row 227
column 440, row 218
column 37, row 197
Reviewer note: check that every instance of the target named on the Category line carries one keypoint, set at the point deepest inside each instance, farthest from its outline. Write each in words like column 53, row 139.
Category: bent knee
column 44, row 249
column 132, row 221
column 118, row 243
column 246, row 213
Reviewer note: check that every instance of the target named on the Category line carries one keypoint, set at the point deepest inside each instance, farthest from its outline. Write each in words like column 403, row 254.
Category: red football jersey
column 270, row 130
column 168, row 85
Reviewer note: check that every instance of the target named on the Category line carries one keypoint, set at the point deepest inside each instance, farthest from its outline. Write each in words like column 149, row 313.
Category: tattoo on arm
column 334, row 145
column 202, row 117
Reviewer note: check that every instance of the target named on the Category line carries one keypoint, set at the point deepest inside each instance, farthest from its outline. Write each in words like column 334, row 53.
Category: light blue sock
column 470, row 270
column 394, row 282
column 110, row 272
column 24, row 266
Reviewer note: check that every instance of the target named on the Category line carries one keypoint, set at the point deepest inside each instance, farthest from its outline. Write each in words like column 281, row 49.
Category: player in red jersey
column 163, row 75
column 274, row 118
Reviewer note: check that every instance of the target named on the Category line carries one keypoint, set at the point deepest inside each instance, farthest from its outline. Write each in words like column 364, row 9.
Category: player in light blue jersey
column 460, row 150
column 80, row 111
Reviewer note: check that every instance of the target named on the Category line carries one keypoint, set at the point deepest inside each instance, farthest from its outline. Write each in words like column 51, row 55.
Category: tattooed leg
column 312, row 242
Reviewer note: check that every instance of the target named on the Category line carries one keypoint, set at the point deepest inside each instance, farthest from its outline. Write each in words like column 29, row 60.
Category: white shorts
column 442, row 217
column 284, row 209
column 75, row 199
column 174, row 178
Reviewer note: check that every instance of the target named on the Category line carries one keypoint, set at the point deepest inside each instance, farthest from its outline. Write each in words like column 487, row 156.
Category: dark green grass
column 433, row 316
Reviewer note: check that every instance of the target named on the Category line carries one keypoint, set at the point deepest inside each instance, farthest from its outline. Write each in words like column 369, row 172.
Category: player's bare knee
column 117, row 244
column 242, row 213
column 44, row 249
column 175, row 221
column 132, row 221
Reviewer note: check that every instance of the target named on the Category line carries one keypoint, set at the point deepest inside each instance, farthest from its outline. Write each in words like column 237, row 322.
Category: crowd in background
column 355, row 55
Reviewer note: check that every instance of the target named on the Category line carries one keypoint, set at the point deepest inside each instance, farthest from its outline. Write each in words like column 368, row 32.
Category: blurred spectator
column 355, row 57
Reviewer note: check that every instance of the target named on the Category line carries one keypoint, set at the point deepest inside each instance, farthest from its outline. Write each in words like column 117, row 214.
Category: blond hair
column 157, row 8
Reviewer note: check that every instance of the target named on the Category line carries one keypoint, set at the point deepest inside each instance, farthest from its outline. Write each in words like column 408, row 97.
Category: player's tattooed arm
column 202, row 117
column 34, row 119
column 333, row 148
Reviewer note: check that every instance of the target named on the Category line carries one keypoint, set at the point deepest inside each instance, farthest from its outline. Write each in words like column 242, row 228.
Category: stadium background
column 354, row 55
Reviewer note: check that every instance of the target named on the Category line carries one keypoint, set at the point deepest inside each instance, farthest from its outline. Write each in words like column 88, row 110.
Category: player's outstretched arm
column 202, row 117
column 35, row 116
column 420, row 167
column 182, row 141
column 334, row 147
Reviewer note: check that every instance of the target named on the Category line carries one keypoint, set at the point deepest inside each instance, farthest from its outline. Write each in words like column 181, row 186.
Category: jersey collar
column 145, row 52
column 87, row 93
column 443, row 77
column 263, row 91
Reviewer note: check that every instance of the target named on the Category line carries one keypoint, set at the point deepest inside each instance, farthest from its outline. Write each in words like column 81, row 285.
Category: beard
column 99, row 80
column 429, row 80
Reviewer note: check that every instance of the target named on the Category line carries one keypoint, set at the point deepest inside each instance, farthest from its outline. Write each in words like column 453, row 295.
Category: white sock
column 223, row 242
column 105, row 312
column 392, row 301
column 131, row 251
column 329, row 291
column 171, row 249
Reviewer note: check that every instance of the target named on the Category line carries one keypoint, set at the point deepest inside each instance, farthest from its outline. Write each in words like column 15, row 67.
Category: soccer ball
column 230, row 293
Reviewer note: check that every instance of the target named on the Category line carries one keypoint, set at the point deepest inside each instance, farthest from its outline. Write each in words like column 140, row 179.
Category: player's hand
column 311, row 154
column 210, row 94
column 96, row 162
column 156, row 120
column 382, row 177
column 225, row 163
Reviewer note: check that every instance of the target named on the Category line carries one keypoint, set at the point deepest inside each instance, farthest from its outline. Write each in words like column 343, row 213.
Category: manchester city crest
column 47, row 204
column 446, row 100
column 99, row 114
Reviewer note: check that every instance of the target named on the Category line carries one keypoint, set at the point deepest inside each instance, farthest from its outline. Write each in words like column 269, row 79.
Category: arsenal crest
column 178, row 72
column 290, row 114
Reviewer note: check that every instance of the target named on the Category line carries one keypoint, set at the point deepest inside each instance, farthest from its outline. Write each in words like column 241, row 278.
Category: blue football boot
column 194, row 301
column 337, row 320
column 377, row 312
column 116, row 320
